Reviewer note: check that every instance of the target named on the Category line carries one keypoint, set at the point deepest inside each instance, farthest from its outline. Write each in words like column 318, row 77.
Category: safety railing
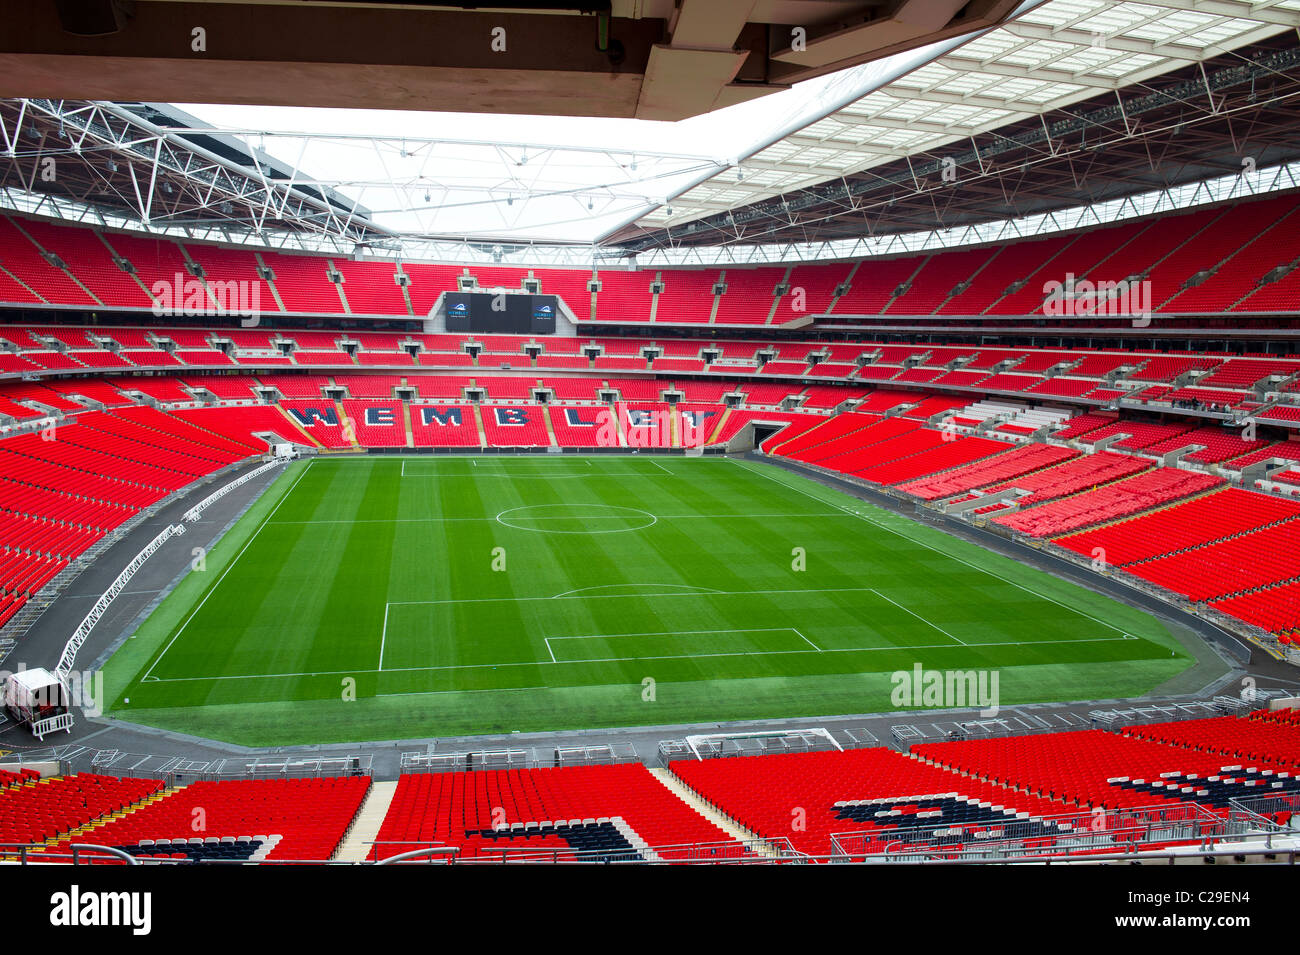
column 195, row 512
column 69, row 656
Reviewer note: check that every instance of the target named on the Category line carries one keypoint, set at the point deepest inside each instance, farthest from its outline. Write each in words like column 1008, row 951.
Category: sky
column 560, row 179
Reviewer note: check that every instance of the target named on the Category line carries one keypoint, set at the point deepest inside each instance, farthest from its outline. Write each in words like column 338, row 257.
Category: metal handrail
column 428, row 851
column 26, row 855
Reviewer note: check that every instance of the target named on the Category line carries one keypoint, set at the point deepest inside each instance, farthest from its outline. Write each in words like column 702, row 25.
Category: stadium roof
column 856, row 152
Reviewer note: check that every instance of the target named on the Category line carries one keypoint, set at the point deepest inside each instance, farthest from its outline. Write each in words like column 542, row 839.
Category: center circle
column 577, row 518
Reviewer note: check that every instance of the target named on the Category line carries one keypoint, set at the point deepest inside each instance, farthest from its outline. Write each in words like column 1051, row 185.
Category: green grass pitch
column 396, row 598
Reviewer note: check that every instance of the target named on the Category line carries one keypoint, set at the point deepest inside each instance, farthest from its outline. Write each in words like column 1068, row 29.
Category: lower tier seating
column 1011, row 464
column 884, row 796
column 1095, row 768
column 1139, row 493
column 34, row 809
column 1240, row 563
column 1184, row 525
column 1246, row 740
column 619, row 810
column 306, row 819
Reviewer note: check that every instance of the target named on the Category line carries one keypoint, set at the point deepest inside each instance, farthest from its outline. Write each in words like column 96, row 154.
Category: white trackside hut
column 39, row 699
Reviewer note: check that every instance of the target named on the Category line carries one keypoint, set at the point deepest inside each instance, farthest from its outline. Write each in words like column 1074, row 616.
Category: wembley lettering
column 443, row 416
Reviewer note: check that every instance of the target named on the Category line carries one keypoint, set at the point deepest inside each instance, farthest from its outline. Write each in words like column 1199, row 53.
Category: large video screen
column 505, row 312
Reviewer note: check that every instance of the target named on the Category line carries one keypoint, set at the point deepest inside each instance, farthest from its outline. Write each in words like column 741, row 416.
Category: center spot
column 576, row 518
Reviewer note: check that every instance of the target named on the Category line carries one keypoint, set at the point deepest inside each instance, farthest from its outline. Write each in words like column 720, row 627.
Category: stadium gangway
column 69, row 656
column 197, row 510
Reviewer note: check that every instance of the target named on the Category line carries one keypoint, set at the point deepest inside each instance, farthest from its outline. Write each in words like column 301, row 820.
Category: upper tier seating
column 1238, row 243
column 303, row 283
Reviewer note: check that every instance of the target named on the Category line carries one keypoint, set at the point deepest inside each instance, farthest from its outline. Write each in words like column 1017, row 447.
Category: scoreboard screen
column 504, row 312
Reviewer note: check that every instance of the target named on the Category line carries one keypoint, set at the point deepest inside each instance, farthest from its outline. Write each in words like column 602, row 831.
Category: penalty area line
column 916, row 540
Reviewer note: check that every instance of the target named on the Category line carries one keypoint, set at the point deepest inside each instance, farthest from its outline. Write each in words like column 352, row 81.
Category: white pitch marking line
column 671, row 633
column 229, row 568
column 717, row 593
column 920, row 618
column 687, row 656
column 914, row 540
column 489, row 689
column 516, row 476
column 581, row 590
column 598, row 517
column 502, row 469
column 384, row 636
column 806, row 640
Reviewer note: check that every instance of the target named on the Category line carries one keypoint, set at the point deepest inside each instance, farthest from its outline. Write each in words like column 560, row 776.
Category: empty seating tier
column 621, row 811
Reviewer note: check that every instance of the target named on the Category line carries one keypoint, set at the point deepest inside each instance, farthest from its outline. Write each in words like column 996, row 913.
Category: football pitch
column 404, row 597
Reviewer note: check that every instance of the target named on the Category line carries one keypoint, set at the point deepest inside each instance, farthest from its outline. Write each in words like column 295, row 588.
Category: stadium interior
column 699, row 375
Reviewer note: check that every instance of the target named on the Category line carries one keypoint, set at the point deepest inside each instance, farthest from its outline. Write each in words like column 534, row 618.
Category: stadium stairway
column 688, row 796
column 349, row 433
column 550, row 430
column 358, row 844
column 722, row 423
column 476, row 411
column 406, row 422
